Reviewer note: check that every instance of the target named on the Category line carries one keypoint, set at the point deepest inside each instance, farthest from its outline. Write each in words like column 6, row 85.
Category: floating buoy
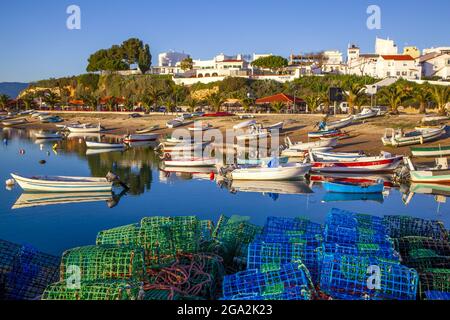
column 212, row 176
column 5, row 141
column 42, row 162
column 10, row 182
column 55, row 146
column 22, row 151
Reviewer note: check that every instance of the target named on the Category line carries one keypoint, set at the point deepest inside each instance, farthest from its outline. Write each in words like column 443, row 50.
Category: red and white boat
column 140, row 137
column 383, row 163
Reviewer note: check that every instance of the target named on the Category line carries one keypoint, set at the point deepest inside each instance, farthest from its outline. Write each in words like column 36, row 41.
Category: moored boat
column 358, row 188
column 276, row 126
column 191, row 162
column 140, row 137
column 244, row 124
column 438, row 174
column 366, row 113
column 398, row 138
column 148, row 130
column 339, row 124
column 294, row 153
column 14, row 122
column 85, row 128
column 175, row 123
column 47, row 135
column 383, row 163
column 433, row 151
column 290, row 171
column 62, row 184
column 258, row 162
column 338, row 156
column 311, row 145
column 200, row 127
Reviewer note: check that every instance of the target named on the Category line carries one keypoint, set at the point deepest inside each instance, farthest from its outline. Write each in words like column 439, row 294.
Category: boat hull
column 382, row 165
column 353, row 188
column 100, row 145
column 431, row 176
column 191, row 163
column 140, row 138
column 431, row 151
column 63, row 184
column 280, row 173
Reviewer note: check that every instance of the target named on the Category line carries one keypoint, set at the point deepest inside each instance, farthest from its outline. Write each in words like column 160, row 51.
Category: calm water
column 55, row 228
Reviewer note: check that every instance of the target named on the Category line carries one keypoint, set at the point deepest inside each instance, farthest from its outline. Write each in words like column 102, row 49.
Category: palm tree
column 192, row 104
column 28, row 101
column 216, row 101
column 52, row 99
column 422, row 95
column 277, row 106
column 4, row 99
column 394, row 96
column 313, row 102
column 325, row 101
column 353, row 95
column 441, row 95
column 247, row 103
column 152, row 96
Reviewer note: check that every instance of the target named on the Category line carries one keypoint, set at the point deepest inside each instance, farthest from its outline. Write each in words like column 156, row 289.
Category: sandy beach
column 364, row 136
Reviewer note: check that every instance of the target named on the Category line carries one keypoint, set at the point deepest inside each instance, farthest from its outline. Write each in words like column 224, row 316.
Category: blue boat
column 346, row 197
column 344, row 187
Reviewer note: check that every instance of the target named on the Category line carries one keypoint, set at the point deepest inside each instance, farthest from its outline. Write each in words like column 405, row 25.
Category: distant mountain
column 12, row 89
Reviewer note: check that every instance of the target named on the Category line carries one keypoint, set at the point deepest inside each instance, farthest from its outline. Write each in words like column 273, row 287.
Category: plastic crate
column 348, row 277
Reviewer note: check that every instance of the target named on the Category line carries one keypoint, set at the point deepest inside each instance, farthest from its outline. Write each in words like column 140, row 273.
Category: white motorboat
column 103, row 145
column 294, row 153
column 325, row 143
column 290, row 171
column 244, row 124
column 397, row 138
column 339, row 124
column 337, row 156
column 14, row 122
column 366, row 113
column 62, row 184
column 85, row 128
column 434, row 118
column 140, row 137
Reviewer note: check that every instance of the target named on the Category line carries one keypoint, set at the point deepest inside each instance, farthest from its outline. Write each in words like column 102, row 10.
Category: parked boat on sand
column 85, row 128
column 140, row 137
column 311, row 145
column 438, row 174
column 434, row 151
column 339, row 124
column 397, row 138
column 148, row 130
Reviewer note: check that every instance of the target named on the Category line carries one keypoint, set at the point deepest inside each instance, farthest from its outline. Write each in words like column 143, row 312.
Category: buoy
column 55, row 146
column 42, row 162
column 10, row 182
column 5, row 141
column 22, row 151
column 212, row 176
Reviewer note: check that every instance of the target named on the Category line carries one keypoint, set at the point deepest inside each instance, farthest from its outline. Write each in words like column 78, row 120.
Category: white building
column 385, row 63
column 385, row 47
column 436, row 64
column 334, row 62
column 221, row 66
column 171, row 58
column 436, row 50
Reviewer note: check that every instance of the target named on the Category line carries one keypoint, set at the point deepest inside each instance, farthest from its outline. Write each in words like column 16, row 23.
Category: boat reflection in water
column 342, row 197
column 30, row 200
column 273, row 189
column 187, row 173
column 440, row 191
column 91, row 152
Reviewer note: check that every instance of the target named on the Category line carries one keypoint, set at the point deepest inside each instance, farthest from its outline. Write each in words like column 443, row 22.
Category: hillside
column 12, row 89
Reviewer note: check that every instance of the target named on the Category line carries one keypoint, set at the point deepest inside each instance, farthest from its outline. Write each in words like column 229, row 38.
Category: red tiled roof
column 398, row 57
column 281, row 97
column 76, row 102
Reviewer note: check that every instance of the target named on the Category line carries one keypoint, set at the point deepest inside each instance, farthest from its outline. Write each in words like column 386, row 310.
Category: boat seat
column 442, row 163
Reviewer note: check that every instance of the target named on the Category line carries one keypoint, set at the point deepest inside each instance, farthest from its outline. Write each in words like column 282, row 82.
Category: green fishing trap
column 95, row 290
column 103, row 262
column 122, row 236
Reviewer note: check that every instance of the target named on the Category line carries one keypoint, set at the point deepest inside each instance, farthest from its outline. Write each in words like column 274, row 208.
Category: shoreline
column 364, row 136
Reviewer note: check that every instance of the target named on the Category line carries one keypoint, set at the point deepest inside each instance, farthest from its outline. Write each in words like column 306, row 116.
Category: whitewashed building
column 436, row 64
column 171, row 58
column 334, row 62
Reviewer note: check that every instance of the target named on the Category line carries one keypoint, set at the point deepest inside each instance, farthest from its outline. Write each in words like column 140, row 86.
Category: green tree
column 247, row 103
column 325, row 101
column 353, row 96
column 394, row 96
column 28, row 101
column 277, row 106
column 216, row 101
column 441, row 96
column 187, row 64
column 4, row 99
column 313, row 102
column 51, row 99
column 145, row 59
column 192, row 104
column 422, row 95
column 274, row 63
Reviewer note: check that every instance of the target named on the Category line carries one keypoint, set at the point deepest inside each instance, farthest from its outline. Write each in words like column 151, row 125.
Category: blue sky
column 36, row 44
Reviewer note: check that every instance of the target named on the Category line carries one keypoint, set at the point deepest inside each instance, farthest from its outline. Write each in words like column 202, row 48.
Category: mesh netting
column 355, row 220
column 165, row 237
column 363, row 249
column 121, row 236
column 94, row 290
column 25, row 272
column 276, row 283
column 353, row 278
column 404, row 226
column 103, row 262
column 301, row 292
column 207, row 229
column 277, row 225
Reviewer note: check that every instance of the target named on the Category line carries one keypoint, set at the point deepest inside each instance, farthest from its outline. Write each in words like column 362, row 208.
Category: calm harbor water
column 75, row 220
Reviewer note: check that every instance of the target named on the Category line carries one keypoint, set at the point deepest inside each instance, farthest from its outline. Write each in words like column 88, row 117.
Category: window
column 404, row 73
column 398, row 73
column 448, row 62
